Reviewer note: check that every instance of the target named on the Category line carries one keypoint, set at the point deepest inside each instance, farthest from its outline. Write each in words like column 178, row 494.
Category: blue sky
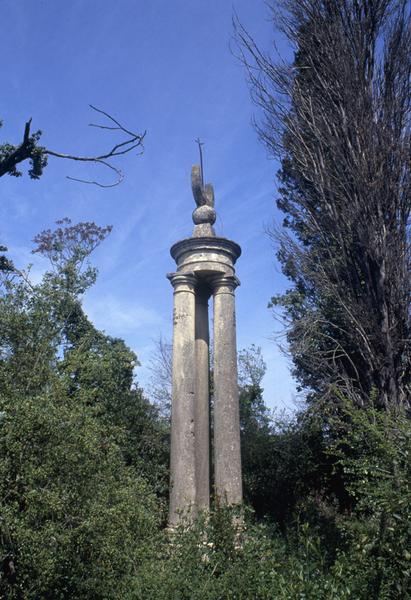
column 165, row 67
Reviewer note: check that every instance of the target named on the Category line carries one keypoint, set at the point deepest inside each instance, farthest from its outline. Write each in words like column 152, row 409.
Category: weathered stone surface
column 202, row 400
column 204, row 215
column 205, row 265
column 182, row 458
column 206, row 256
column 227, row 452
column 203, row 194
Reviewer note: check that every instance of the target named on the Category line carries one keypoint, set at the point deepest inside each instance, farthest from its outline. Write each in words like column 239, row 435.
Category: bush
column 357, row 552
column 372, row 449
column 257, row 564
column 74, row 518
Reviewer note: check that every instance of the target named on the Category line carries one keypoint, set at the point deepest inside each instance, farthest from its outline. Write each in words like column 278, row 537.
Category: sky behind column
column 165, row 67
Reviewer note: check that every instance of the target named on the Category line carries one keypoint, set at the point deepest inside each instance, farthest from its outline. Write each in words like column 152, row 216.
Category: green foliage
column 12, row 155
column 224, row 558
column 73, row 516
column 373, row 451
column 78, row 466
column 84, row 471
column 220, row 559
column 285, row 464
column 345, row 473
column 99, row 371
column 280, row 454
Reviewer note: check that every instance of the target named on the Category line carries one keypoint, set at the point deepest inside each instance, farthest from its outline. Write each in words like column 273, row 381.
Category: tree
column 74, row 516
column 373, row 452
column 339, row 120
column 280, row 453
column 29, row 149
column 161, row 375
column 79, row 444
column 100, row 368
column 251, row 370
column 255, row 425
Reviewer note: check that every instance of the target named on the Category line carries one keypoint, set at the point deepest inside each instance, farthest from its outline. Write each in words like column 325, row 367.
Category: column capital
column 224, row 284
column 182, row 281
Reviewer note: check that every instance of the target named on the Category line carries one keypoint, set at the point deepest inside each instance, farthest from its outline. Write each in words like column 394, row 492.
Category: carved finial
column 203, row 194
column 204, row 215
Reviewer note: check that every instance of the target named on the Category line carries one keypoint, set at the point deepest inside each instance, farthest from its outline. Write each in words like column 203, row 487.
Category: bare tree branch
column 29, row 149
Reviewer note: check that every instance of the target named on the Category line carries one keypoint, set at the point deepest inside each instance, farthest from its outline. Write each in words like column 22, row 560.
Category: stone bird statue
column 204, row 215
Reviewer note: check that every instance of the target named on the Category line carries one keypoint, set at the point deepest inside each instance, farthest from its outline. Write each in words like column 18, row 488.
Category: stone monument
column 205, row 268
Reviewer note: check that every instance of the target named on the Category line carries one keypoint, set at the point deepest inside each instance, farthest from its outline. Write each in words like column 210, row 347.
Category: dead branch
column 30, row 150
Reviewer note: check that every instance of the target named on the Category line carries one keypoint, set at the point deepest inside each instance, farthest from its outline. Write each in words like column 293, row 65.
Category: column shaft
column 227, row 452
column 202, row 402
column 182, row 458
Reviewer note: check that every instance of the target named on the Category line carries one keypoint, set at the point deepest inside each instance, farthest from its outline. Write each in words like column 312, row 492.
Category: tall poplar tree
column 338, row 118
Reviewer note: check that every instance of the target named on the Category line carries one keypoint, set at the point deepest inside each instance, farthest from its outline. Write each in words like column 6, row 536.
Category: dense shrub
column 81, row 450
column 355, row 553
column 74, row 518
column 84, row 469
column 260, row 563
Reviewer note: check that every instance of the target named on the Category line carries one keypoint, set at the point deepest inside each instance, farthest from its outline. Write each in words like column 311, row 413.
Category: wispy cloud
column 118, row 316
column 186, row 83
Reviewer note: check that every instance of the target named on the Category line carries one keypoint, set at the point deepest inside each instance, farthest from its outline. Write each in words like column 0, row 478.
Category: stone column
column 182, row 457
column 227, row 452
column 202, row 400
